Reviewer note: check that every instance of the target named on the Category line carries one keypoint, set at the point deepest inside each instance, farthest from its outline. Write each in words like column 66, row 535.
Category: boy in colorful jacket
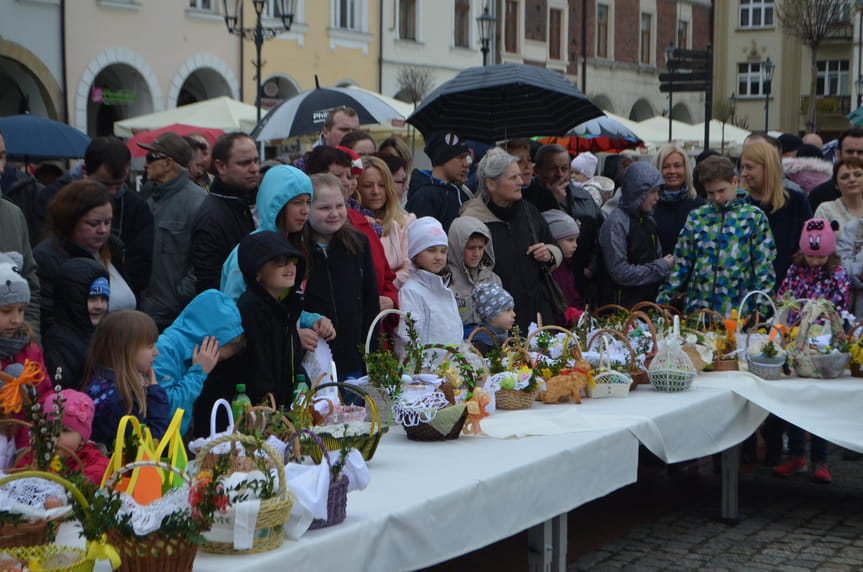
column 725, row 249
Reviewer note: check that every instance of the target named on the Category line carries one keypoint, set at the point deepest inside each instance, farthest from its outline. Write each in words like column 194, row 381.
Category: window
column 832, row 78
column 510, row 38
column 408, row 19
column 645, row 38
column 756, row 13
column 461, row 36
column 201, row 5
column 682, row 34
column 749, row 79
column 346, row 14
column 554, row 22
column 602, row 30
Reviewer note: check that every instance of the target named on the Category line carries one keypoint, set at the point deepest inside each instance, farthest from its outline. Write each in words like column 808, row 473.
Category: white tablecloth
column 829, row 408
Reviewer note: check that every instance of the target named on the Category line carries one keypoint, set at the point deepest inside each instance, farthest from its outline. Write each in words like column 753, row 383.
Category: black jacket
column 580, row 205
column 823, row 193
column 428, row 196
column 67, row 342
column 670, row 216
column 54, row 251
column 786, row 224
column 222, row 220
column 132, row 224
column 24, row 192
column 343, row 287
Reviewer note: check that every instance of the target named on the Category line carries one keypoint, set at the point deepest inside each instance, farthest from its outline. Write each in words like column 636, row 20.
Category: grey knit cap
column 13, row 286
column 489, row 300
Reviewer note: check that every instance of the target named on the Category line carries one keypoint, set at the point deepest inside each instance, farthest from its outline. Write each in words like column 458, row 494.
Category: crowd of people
column 223, row 269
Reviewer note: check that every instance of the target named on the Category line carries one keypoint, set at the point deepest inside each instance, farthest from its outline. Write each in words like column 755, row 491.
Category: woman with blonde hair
column 677, row 195
column 786, row 210
column 377, row 193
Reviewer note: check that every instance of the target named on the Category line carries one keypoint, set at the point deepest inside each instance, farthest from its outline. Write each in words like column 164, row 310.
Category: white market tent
column 219, row 113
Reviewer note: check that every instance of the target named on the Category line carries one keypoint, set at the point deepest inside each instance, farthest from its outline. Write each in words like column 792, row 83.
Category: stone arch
column 199, row 62
column 286, row 85
column 102, row 61
column 681, row 112
column 603, row 102
column 641, row 110
column 32, row 68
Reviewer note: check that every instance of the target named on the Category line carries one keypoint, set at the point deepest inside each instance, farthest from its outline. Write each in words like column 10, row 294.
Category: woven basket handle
column 645, row 305
column 250, row 413
column 50, row 477
column 247, row 440
column 214, row 413
column 570, row 343
column 701, row 316
column 639, row 315
column 760, row 294
column 140, row 465
column 316, row 438
column 611, row 332
column 376, row 416
column 383, row 314
column 480, row 329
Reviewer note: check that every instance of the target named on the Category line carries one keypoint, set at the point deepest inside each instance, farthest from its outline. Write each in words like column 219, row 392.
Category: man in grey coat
column 174, row 200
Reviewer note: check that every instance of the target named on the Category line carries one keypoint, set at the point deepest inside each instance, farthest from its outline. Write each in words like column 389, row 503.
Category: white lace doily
column 338, row 431
column 411, row 411
column 27, row 497
column 147, row 518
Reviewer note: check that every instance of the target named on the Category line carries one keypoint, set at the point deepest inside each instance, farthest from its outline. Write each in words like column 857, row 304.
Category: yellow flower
column 56, row 464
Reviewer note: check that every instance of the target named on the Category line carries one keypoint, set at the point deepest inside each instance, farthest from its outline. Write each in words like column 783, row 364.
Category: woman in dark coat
column 522, row 242
column 677, row 196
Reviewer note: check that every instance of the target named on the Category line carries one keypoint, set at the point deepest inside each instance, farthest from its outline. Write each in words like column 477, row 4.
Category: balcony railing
column 827, row 104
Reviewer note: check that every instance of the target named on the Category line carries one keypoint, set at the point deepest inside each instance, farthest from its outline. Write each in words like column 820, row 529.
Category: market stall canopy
column 305, row 113
column 491, row 103
column 605, row 134
column 734, row 136
column 221, row 113
column 33, row 137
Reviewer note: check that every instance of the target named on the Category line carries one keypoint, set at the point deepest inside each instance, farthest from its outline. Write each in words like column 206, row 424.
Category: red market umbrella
column 179, row 128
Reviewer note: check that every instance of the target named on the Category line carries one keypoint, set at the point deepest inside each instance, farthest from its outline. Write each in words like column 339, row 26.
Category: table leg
column 546, row 543
column 730, row 483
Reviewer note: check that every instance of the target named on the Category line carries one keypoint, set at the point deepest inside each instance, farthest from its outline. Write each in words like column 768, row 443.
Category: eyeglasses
column 284, row 260
column 155, row 157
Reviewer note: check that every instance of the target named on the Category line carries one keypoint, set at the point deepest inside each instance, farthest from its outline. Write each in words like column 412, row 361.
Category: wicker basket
column 669, row 372
column 764, row 367
column 671, row 380
column 426, row 432
column 367, row 445
column 274, row 512
column 512, row 399
column 830, row 365
column 638, row 374
column 28, row 553
column 807, row 364
column 153, row 553
column 725, row 364
column 609, row 382
column 253, row 420
column 607, row 316
column 337, row 495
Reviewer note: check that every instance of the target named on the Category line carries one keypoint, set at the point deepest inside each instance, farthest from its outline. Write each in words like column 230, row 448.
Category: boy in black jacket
column 270, row 308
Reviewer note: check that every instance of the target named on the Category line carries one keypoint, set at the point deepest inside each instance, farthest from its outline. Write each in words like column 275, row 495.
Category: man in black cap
column 439, row 193
column 174, row 199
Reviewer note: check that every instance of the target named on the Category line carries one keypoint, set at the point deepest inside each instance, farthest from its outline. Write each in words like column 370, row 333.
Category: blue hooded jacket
column 210, row 313
column 281, row 184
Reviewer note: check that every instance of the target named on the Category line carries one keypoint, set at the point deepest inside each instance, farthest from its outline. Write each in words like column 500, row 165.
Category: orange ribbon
column 11, row 399
column 476, row 410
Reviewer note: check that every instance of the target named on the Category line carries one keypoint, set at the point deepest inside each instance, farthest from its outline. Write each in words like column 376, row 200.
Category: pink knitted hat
column 817, row 238
column 78, row 411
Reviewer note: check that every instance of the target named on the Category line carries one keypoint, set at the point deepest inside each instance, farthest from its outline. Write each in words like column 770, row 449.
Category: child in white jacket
column 424, row 294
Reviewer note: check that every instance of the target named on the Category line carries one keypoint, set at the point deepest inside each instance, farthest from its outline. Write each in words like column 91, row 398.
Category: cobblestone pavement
column 785, row 524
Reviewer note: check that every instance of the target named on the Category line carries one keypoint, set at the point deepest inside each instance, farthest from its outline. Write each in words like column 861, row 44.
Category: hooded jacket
column 67, row 341
column 172, row 282
column 520, row 275
column 210, row 313
column 273, row 353
column 433, row 306
column 630, row 243
column 222, row 220
column 281, row 184
column 429, row 196
column 13, row 238
column 808, row 172
column 464, row 280
column 723, row 252
column 343, row 287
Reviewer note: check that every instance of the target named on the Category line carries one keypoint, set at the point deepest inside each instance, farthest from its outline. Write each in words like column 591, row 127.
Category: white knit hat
column 425, row 233
column 585, row 164
column 13, row 287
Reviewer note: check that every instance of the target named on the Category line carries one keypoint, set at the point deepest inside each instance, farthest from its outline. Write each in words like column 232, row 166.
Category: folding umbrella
column 490, row 103
column 179, row 128
column 305, row 112
column 30, row 137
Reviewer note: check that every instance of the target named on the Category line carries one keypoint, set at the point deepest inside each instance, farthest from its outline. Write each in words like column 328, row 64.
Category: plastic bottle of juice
column 239, row 401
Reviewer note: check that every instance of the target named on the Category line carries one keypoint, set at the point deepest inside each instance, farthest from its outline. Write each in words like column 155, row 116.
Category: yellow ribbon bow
column 10, row 395
column 101, row 550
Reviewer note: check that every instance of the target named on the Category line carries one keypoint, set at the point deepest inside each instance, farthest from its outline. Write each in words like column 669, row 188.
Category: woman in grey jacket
column 630, row 241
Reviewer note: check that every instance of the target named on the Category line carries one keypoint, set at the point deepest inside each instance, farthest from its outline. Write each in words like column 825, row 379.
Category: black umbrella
column 30, row 136
column 497, row 102
column 305, row 112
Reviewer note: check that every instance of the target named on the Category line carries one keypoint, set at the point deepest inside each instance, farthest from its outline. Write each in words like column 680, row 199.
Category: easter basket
column 430, row 417
column 384, row 380
column 807, row 363
column 710, row 322
column 671, row 370
column 365, row 435
column 639, row 374
column 761, row 365
column 609, row 382
column 611, row 316
column 273, row 513
column 513, row 399
column 21, row 547
column 337, row 495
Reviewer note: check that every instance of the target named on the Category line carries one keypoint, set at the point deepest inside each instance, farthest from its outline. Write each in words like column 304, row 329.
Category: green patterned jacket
column 722, row 253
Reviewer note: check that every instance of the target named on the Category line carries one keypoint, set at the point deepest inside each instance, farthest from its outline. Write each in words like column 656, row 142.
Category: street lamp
column 669, row 55
column 767, row 68
column 485, row 23
column 233, row 10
